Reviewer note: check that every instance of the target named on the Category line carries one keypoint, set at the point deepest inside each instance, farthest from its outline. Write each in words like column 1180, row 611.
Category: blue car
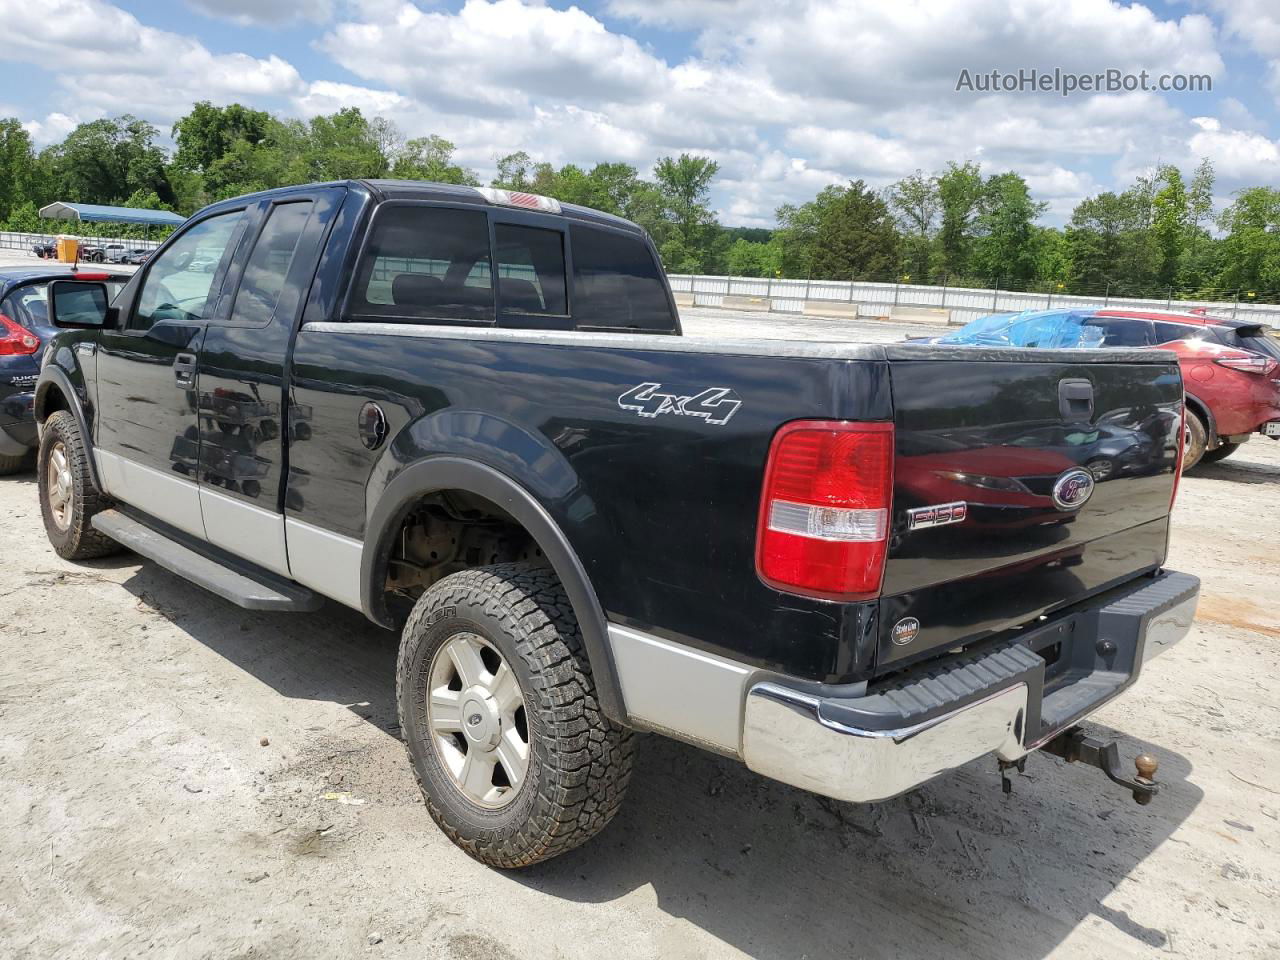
column 24, row 330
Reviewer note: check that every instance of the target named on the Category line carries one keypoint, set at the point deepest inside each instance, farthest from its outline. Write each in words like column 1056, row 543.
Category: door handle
column 184, row 369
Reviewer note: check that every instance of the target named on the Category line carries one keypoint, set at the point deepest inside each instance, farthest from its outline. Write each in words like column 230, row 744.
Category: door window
column 177, row 285
column 268, row 266
column 530, row 270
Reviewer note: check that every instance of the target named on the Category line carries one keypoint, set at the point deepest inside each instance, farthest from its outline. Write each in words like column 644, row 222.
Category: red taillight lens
column 16, row 341
column 824, row 513
column 1259, row 365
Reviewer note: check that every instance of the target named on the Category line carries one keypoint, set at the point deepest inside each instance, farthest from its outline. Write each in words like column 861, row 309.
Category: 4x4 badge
column 714, row 404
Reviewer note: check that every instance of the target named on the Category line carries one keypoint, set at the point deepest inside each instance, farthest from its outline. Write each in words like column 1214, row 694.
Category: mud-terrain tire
column 16, row 464
column 1220, row 452
column 63, row 467
column 1196, row 440
column 578, row 761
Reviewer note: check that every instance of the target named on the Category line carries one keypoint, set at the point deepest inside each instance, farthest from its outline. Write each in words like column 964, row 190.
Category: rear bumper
column 1008, row 698
column 17, row 424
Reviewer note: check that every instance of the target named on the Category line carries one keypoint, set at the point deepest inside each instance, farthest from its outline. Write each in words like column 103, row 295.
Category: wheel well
column 447, row 531
column 1200, row 410
column 50, row 403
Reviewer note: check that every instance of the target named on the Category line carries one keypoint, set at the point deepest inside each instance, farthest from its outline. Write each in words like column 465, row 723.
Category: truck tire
column 1196, row 440
column 1220, row 452
column 68, row 497
column 10, row 465
column 498, row 711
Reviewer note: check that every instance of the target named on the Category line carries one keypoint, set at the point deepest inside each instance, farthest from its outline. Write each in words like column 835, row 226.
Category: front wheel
column 68, row 497
column 1195, row 441
column 1220, row 452
column 499, row 713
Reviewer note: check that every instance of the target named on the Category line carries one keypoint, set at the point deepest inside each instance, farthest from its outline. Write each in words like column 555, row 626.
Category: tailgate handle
column 1075, row 399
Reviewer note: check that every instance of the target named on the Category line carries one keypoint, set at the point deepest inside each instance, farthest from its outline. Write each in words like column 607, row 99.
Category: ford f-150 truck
column 470, row 414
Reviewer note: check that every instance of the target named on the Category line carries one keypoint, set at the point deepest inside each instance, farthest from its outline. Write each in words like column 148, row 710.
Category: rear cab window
column 429, row 263
column 425, row 264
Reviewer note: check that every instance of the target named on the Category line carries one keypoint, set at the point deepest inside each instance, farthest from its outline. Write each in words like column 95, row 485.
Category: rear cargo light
column 1259, row 365
column 824, row 512
column 515, row 198
column 16, row 341
column 80, row 275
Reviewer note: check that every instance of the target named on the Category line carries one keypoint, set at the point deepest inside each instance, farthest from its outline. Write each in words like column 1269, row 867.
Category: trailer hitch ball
column 1146, row 766
column 1075, row 746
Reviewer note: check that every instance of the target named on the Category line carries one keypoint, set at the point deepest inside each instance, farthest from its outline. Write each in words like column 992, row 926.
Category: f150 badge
column 716, row 405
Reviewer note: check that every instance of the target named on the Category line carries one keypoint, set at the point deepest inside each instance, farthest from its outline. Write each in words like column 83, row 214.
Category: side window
column 178, row 281
column 268, row 265
column 616, row 282
column 1125, row 332
column 530, row 270
column 1169, row 332
column 425, row 263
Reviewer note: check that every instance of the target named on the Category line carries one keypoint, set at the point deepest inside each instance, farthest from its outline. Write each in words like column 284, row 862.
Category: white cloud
column 52, row 128
column 786, row 100
column 108, row 61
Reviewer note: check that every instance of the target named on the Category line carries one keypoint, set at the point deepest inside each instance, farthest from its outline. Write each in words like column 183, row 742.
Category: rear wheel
column 499, row 713
column 1195, row 441
column 1220, row 452
column 68, row 497
column 16, row 464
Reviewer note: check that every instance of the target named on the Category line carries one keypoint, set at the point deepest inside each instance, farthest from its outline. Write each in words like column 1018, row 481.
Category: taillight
column 16, row 341
column 824, row 512
column 1182, row 451
column 1259, row 365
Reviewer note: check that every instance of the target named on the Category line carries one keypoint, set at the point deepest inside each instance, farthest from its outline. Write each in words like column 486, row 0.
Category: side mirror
column 80, row 305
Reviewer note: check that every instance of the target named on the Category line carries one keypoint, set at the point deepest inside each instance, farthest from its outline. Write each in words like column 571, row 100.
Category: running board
column 251, row 589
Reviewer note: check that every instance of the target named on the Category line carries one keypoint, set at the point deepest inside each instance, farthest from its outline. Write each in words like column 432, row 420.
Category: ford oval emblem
column 905, row 630
column 1073, row 489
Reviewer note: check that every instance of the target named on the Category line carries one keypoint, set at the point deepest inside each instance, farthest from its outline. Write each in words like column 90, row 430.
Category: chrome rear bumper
column 995, row 702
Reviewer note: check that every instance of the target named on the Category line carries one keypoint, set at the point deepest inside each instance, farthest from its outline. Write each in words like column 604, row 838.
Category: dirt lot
column 143, row 815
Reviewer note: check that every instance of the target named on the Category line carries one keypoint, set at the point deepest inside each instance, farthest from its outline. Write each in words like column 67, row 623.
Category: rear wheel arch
column 426, row 477
column 1201, row 409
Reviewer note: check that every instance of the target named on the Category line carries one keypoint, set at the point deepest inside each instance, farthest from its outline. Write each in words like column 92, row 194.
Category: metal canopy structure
column 98, row 213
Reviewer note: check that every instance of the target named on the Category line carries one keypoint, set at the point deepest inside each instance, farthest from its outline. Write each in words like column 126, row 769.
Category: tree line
column 961, row 226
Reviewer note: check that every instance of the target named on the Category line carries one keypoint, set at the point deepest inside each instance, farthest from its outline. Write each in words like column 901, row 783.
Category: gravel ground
column 182, row 778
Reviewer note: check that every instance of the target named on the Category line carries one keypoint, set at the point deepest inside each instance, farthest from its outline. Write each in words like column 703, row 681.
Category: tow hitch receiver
column 1075, row 746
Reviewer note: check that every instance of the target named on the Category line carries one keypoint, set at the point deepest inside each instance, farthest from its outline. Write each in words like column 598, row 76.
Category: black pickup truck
column 471, row 415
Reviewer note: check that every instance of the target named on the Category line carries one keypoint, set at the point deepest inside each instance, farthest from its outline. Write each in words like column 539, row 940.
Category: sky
column 786, row 97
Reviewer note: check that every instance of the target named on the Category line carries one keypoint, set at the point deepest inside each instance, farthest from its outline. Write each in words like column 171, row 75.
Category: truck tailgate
column 1064, row 469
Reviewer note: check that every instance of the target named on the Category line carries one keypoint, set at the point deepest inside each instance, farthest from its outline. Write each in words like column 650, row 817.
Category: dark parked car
column 24, row 330
column 45, row 251
column 470, row 414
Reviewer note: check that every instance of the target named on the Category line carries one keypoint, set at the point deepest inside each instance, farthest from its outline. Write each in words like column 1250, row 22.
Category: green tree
column 856, row 237
column 207, row 133
column 104, row 161
column 685, row 185
column 1251, row 249
column 18, row 172
column 798, row 228
column 345, row 145
column 1170, row 223
column 917, row 203
column 1006, row 230
column 431, row 158
column 515, row 172
column 960, row 191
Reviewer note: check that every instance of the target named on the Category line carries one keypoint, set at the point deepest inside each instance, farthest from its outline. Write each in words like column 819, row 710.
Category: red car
column 1230, row 370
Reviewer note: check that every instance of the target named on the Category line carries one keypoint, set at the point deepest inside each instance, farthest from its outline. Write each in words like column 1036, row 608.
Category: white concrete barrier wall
column 965, row 303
